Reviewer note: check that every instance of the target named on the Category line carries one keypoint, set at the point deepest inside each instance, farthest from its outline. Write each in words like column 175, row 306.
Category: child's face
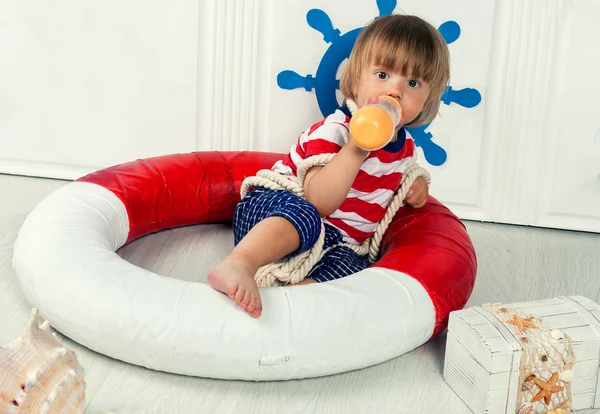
column 376, row 81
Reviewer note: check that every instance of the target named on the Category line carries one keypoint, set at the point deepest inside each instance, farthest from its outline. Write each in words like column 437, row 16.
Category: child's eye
column 381, row 74
column 413, row 83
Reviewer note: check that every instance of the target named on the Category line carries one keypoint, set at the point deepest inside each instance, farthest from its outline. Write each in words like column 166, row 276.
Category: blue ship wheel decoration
column 325, row 83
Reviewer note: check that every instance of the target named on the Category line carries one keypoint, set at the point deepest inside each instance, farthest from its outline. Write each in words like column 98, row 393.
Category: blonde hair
column 407, row 44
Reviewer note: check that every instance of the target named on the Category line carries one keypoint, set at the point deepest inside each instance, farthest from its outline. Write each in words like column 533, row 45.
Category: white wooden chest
column 497, row 366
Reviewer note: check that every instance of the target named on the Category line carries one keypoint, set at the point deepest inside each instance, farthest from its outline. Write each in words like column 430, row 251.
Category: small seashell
column 525, row 409
column 566, row 376
column 528, row 383
column 39, row 374
column 544, row 358
column 558, row 411
column 527, row 386
column 557, row 334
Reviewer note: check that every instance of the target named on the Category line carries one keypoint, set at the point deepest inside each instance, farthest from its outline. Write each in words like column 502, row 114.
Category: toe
column 250, row 306
column 232, row 291
column 256, row 303
column 245, row 300
column 239, row 295
column 255, row 313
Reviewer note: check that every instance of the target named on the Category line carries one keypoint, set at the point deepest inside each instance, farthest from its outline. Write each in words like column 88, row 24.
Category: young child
column 399, row 56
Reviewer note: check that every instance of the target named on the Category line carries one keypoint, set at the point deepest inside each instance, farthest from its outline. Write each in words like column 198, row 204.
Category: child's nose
column 396, row 91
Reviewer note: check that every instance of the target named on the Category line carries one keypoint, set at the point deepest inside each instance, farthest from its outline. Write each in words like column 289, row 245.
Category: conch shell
column 38, row 374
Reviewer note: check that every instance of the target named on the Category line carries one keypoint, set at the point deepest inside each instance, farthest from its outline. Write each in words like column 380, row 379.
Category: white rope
column 295, row 269
column 412, row 172
column 275, row 181
column 352, row 106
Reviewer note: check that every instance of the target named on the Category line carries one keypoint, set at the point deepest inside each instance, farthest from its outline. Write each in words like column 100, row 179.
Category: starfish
column 521, row 323
column 546, row 388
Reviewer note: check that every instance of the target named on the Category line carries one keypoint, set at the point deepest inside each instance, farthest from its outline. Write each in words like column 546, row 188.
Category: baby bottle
column 374, row 125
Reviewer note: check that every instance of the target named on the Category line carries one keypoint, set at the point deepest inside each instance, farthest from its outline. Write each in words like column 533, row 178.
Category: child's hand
column 418, row 193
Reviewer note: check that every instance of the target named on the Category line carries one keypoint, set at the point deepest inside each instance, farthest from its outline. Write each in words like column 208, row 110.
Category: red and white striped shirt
column 373, row 189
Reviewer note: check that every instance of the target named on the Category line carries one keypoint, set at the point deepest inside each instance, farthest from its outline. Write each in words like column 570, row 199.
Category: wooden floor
column 515, row 264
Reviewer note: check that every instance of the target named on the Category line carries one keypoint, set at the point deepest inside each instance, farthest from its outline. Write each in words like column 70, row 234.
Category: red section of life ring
column 429, row 244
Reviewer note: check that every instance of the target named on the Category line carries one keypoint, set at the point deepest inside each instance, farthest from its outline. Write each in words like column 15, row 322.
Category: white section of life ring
column 67, row 267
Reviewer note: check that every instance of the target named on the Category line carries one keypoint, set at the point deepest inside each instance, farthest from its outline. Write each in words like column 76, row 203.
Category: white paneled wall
column 540, row 160
column 568, row 190
column 85, row 85
column 234, row 74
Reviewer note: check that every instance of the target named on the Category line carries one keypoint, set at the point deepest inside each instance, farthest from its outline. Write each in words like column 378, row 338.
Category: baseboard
column 44, row 169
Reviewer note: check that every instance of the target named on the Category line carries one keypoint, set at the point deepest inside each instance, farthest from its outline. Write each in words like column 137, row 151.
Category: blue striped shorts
column 262, row 203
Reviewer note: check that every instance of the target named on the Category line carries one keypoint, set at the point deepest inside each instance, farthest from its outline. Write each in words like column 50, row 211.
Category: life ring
column 67, row 267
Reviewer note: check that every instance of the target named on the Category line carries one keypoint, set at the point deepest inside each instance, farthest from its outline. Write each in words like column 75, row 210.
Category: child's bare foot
column 236, row 280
